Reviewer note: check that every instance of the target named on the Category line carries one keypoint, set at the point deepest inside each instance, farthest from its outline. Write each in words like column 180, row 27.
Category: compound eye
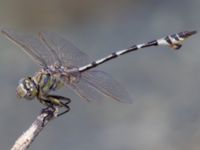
column 21, row 91
column 28, row 84
column 26, row 89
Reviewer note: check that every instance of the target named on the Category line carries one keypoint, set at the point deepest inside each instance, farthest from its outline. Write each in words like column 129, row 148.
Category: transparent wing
column 102, row 83
column 31, row 45
column 92, row 83
column 66, row 52
column 49, row 48
column 87, row 91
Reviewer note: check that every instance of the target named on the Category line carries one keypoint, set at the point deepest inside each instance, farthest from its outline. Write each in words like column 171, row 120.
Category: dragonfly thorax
column 48, row 80
column 27, row 88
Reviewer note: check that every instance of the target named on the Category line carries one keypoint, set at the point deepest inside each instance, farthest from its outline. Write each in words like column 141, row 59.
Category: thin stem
column 25, row 140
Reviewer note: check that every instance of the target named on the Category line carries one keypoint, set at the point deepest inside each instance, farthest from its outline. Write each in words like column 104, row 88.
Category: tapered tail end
column 176, row 40
column 187, row 34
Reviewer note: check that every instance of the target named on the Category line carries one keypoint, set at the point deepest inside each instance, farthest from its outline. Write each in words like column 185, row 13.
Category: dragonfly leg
column 50, row 110
column 60, row 101
column 60, row 98
column 67, row 109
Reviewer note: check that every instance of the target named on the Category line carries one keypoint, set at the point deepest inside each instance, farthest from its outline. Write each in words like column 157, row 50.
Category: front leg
column 59, row 101
column 56, row 99
column 51, row 112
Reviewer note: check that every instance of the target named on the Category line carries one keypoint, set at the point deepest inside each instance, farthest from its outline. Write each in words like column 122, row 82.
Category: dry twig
column 25, row 140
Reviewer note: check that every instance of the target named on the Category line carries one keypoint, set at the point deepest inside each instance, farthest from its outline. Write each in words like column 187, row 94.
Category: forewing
column 105, row 84
column 67, row 53
column 31, row 45
column 53, row 48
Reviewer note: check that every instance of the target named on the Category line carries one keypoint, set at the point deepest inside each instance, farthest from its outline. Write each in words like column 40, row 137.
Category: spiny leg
column 49, row 110
column 67, row 109
column 60, row 101
column 60, row 98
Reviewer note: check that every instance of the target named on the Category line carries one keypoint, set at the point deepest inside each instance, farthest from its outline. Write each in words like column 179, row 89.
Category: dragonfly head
column 27, row 88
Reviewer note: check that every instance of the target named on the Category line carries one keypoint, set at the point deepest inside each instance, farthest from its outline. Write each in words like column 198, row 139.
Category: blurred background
column 164, row 84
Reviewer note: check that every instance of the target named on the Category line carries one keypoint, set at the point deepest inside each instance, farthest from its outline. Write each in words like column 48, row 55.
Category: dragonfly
column 62, row 64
